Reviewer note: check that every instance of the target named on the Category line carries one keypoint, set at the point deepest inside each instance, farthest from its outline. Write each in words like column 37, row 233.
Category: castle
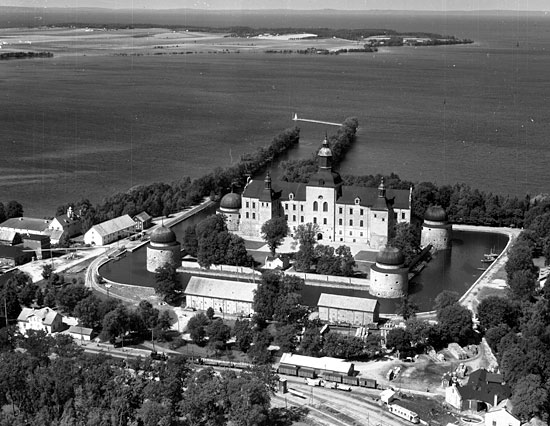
column 344, row 214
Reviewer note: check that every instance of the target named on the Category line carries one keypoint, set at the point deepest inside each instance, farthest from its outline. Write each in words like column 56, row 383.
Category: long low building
column 337, row 309
column 110, row 230
column 224, row 296
column 324, row 365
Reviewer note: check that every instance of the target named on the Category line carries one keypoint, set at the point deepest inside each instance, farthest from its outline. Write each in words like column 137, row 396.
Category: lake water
column 87, row 127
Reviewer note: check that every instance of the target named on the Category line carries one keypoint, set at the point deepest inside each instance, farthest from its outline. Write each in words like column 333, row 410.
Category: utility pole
column 6, row 311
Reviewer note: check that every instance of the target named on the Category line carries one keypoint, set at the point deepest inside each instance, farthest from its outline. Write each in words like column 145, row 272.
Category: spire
column 325, row 155
column 267, row 181
column 382, row 189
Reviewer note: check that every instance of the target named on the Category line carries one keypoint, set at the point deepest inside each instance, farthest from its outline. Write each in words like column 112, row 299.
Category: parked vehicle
column 312, row 382
column 329, row 385
column 345, row 388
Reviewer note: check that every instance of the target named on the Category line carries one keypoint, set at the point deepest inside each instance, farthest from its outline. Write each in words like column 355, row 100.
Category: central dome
column 163, row 235
column 390, row 256
column 325, row 150
column 231, row 201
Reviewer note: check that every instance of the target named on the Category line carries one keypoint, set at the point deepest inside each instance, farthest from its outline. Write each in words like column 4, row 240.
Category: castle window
column 340, row 210
column 340, row 233
column 383, row 219
column 253, row 215
column 294, row 218
column 294, row 207
column 291, row 196
column 324, row 221
column 247, row 204
column 395, row 215
column 375, row 215
column 361, row 212
column 360, row 234
column 403, row 215
column 351, row 222
column 325, row 206
column 247, row 215
column 286, row 217
column 357, row 201
column 350, row 233
column 361, row 223
column 340, row 222
column 302, row 219
column 314, row 220
column 253, row 205
column 321, row 182
column 302, row 208
column 315, row 206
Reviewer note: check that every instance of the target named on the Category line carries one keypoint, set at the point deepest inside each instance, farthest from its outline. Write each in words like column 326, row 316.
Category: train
column 404, row 413
column 309, row 373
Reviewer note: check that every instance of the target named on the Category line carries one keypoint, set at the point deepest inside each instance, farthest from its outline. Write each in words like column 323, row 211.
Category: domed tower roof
column 435, row 214
column 163, row 235
column 231, row 201
column 390, row 256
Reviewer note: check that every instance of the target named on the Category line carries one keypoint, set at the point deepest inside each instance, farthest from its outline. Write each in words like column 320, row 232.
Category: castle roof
column 435, row 214
column 390, row 256
column 163, row 235
column 231, row 201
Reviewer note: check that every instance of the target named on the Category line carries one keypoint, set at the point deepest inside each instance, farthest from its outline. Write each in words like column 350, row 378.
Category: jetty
column 295, row 118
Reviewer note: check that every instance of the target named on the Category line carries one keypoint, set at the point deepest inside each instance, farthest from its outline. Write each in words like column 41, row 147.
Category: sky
column 432, row 5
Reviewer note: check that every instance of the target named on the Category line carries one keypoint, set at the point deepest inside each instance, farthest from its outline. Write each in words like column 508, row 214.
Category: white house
column 501, row 416
column 277, row 262
column 68, row 225
column 45, row 319
column 109, row 231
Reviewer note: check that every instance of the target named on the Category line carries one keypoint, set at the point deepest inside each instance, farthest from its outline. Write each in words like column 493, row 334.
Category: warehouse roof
column 221, row 289
column 362, row 304
column 325, row 363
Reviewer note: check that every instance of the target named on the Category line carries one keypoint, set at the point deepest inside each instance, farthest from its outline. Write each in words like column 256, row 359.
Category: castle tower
column 322, row 191
column 382, row 219
column 230, row 206
column 436, row 230
column 163, row 249
column 388, row 277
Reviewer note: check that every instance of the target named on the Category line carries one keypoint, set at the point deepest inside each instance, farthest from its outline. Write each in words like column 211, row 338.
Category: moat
column 456, row 269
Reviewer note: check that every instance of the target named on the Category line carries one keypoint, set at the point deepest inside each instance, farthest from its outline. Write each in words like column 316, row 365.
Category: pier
column 295, row 118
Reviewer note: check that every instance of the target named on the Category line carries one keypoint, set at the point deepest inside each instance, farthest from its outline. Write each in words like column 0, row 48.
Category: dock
column 328, row 123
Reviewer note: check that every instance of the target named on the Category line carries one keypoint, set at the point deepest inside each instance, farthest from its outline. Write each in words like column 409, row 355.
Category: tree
column 10, row 307
column 523, row 284
column 343, row 346
column 196, row 328
column 266, row 294
column 14, row 209
column 520, row 258
column 258, row 352
column 236, row 253
column 148, row 315
column 285, row 337
column 530, row 398
column 274, row 232
column 444, row 299
column 167, row 283
column 347, row 262
column 218, row 334
column 210, row 313
column 115, row 324
column 311, row 344
column 306, row 236
column 407, row 308
column 456, row 324
column 88, row 311
column 494, row 310
column 47, row 271
column 68, row 296
column 406, row 239
column 190, row 243
column 399, row 339
column 244, row 335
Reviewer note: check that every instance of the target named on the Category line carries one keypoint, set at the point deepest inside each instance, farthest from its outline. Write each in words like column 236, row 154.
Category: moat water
column 455, row 269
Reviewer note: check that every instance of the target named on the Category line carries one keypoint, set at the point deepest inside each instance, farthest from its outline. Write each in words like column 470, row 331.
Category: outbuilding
column 336, row 309
column 109, row 231
column 80, row 333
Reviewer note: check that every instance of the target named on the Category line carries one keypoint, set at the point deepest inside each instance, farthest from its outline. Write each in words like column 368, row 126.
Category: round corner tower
column 389, row 277
column 230, row 207
column 436, row 230
column 163, row 249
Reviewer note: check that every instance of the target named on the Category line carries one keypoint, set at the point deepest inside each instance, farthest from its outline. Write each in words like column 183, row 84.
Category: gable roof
column 362, row 304
column 46, row 315
column 325, row 363
column 114, row 225
column 76, row 329
column 65, row 221
column 26, row 223
column 142, row 217
column 483, row 386
column 221, row 289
